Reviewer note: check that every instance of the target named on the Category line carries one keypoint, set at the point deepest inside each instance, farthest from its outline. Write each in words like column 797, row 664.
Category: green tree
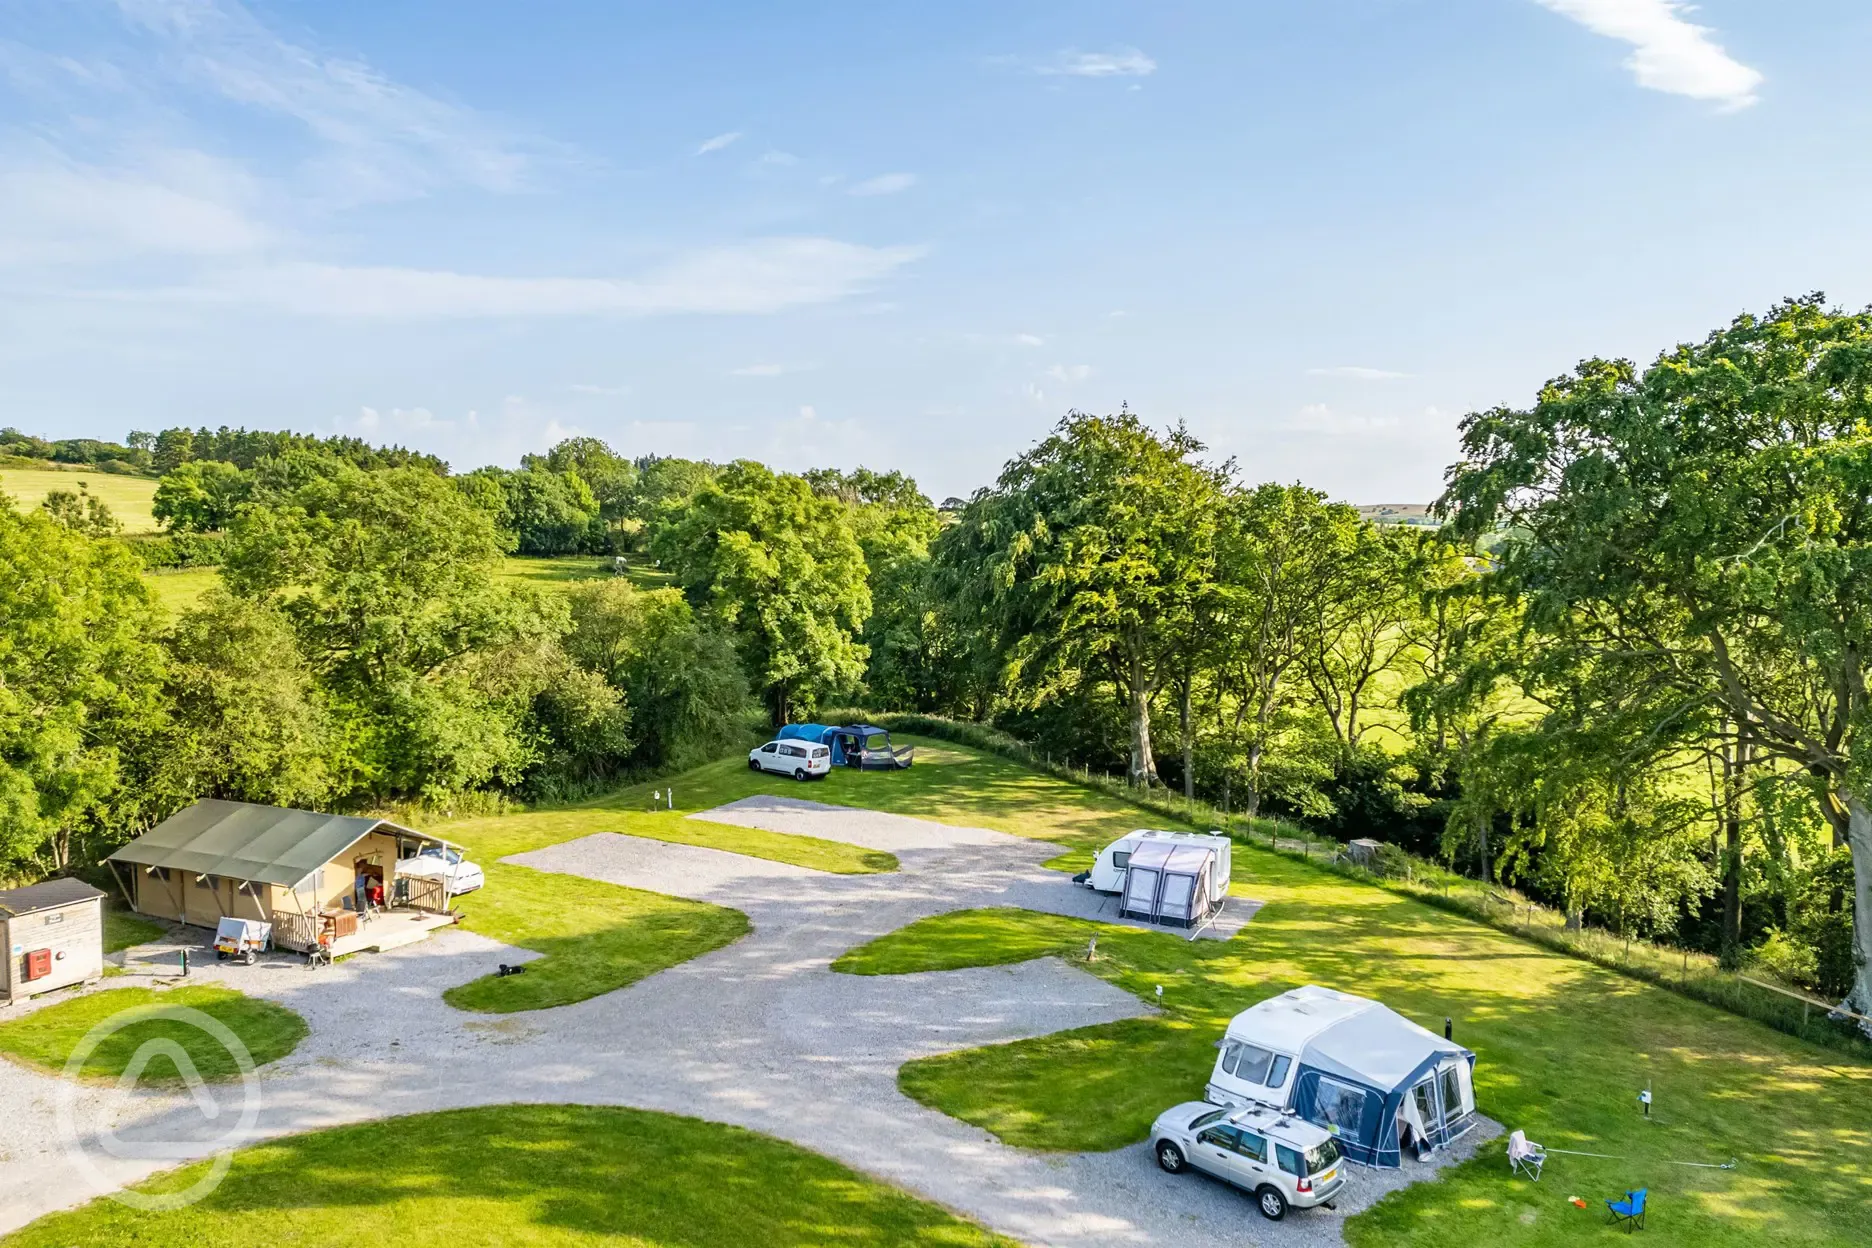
column 778, row 567
column 1282, row 566
column 1089, row 555
column 682, row 680
column 79, row 676
column 173, row 448
column 200, row 496
column 388, row 577
column 81, row 511
column 1706, row 525
column 246, row 717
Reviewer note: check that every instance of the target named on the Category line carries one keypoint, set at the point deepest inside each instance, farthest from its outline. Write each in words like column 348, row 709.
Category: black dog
column 506, row 970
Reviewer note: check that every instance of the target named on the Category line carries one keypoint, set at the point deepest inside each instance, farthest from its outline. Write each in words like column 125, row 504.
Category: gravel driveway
column 760, row 1033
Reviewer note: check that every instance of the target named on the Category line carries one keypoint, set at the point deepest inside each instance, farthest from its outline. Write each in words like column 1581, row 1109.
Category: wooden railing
column 419, row 892
column 294, row 931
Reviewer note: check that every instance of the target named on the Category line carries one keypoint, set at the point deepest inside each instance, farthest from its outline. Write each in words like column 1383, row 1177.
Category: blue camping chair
column 1630, row 1211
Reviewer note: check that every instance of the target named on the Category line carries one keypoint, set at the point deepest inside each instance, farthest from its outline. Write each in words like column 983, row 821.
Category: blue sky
column 902, row 235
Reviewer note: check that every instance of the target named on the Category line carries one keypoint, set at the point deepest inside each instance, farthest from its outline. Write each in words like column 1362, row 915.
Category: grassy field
column 181, row 588
column 1563, row 1049
column 129, row 498
column 525, row 1174
column 123, row 929
column 47, row 1038
column 597, row 937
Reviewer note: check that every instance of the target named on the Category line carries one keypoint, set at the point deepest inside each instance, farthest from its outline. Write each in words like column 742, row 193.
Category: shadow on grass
column 534, row 1174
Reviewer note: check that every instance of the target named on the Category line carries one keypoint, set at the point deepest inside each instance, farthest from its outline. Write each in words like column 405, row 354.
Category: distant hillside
column 1398, row 513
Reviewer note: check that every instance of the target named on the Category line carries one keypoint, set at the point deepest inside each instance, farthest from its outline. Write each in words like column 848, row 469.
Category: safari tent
column 316, row 877
column 1376, row 1080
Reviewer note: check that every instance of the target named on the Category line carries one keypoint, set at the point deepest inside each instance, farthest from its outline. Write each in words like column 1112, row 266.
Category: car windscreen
column 1198, row 1123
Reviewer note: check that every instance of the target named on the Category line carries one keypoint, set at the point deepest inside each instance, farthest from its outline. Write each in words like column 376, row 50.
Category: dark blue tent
column 818, row 734
column 854, row 745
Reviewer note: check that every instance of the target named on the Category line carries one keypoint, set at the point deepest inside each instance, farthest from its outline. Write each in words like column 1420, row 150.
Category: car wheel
column 1170, row 1157
column 250, row 957
column 753, row 764
column 1272, row 1204
column 799, row 773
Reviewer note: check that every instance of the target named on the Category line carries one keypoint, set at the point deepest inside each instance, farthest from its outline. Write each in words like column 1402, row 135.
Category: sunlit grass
column 524, row 1174
column 48, row 1038
column 1564, row 1047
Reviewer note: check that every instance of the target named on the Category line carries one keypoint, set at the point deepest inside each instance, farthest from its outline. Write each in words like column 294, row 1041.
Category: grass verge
column 533, row 1174
column 47, row 1038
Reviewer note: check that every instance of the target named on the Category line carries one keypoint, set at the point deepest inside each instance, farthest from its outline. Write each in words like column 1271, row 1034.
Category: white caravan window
column 1340, row 1105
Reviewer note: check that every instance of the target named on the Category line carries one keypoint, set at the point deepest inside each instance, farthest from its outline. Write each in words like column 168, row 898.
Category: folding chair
column 1630, row 1211
column 1525, row 1156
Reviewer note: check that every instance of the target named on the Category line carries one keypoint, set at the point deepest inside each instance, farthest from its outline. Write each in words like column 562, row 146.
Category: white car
column 1282, row 1160
column 435, row 862
column 800, row 759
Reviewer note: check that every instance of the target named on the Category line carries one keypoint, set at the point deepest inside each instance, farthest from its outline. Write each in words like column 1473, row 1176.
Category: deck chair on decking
column 1630, row 1211
column 1525, row 1156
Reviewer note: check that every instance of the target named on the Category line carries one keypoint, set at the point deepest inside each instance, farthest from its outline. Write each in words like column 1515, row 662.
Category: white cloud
column 757, row 277
column 607, row 391
column 717, row 143
column 1317, row 418
column 807, row 413
column 1669, row 53
column 1118, row 63
column 1066, row 374
column 1358, row 372
column 773, row 156
column 173, row 203
column 381, row 139
column 1029, row 340
column 768, row 370
column 883, row 184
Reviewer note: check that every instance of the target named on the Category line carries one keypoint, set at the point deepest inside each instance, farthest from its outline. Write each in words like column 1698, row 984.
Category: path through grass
column 47, row 1038
column 525, row 1174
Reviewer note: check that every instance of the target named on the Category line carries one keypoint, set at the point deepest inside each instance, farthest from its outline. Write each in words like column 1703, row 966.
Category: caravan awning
column 243, row 841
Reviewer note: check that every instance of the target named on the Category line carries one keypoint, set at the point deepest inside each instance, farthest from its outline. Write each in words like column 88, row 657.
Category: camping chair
column 1525, row 1156
column 1630, row 1211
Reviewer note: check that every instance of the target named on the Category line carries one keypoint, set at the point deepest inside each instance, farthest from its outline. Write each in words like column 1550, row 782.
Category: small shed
column 54, row 937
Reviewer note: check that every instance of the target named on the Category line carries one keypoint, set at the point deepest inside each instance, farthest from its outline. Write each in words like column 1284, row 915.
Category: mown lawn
column 1563, row 1048
column 596, row 937
column 524, row 1174
column 47, row 1038
column 123, row 929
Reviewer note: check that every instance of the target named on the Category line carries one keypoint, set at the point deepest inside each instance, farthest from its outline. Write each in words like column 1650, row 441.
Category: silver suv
column 1284, row 1161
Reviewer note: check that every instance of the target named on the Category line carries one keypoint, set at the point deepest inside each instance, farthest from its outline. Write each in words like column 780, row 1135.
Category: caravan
column 1379, row 1082
column 1175, row 878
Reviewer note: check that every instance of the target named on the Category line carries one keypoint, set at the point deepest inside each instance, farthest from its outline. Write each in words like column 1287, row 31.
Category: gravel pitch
column 760, row 1033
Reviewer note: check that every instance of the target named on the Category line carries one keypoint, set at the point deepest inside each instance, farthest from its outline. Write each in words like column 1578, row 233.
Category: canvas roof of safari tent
column 245, row 841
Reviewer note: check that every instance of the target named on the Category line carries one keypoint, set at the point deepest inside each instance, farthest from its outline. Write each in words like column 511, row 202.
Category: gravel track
column 760, row 1033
